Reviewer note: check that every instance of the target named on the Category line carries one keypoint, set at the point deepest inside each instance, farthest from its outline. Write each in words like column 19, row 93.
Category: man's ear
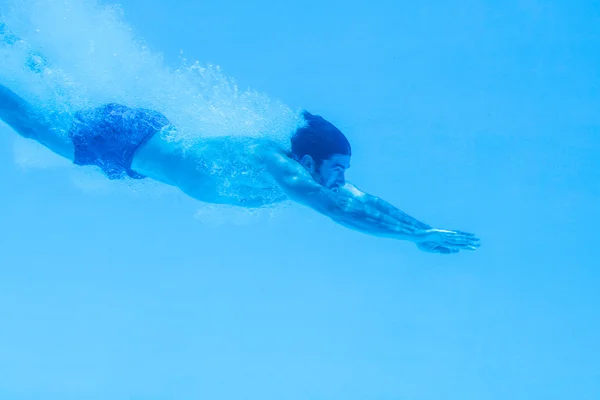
column 308, row 163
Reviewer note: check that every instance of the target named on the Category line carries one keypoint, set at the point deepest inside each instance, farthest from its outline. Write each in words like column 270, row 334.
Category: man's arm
column 340, row 206
column 384, row 207
column 348, row 209
column 390, row 210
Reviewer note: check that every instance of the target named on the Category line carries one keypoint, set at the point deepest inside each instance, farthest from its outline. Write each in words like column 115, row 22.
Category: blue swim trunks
column 108, row 136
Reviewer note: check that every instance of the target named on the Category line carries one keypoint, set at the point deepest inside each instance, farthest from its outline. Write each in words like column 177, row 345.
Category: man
column 138, row 143
column 132, row 142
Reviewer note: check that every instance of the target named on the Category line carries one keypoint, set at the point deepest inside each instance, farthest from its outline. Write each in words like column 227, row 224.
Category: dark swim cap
column 319, row 139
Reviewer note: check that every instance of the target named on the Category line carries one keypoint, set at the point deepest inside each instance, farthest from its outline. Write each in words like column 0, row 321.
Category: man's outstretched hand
column 446, row 242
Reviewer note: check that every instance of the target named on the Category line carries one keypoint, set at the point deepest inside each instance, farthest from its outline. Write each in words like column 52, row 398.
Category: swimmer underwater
column 132, row 142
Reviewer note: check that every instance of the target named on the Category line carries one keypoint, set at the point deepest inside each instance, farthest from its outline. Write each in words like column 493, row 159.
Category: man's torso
column 223, row 170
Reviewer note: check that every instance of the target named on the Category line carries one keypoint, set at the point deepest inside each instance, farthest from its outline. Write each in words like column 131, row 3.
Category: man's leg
column 21, row 116
column 30, row 123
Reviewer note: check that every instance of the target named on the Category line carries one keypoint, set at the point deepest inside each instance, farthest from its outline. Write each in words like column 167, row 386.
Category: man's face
column 331, row 172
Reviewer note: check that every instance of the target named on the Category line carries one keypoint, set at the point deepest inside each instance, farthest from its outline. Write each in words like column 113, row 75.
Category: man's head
column 323, row 150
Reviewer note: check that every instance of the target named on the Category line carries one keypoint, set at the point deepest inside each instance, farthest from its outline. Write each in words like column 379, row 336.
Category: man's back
column 224, row 170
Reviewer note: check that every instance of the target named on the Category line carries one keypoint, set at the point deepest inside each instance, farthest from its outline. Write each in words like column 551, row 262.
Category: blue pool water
column 480, row 116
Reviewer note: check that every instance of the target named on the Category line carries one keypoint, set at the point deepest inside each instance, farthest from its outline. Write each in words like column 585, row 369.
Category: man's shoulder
column 271, row 151
column 280, row 163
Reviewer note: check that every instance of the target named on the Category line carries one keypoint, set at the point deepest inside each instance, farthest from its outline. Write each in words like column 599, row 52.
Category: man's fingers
column 457, row 241
column 451, row 242
column 464, row 234
column 461, row 243
column 460, row 238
